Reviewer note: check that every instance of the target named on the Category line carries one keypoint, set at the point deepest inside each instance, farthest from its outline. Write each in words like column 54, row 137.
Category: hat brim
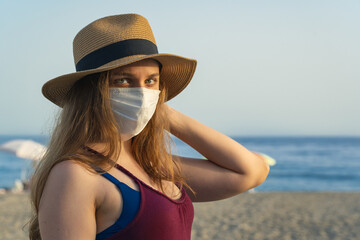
column 176, row 73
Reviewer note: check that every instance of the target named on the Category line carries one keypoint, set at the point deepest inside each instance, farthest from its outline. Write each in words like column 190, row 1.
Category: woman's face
column 144, row 73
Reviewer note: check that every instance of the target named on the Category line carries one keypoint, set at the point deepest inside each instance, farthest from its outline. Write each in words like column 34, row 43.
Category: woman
column 108, row 172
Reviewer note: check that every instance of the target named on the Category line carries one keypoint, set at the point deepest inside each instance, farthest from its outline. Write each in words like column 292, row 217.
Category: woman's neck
column 102, row 148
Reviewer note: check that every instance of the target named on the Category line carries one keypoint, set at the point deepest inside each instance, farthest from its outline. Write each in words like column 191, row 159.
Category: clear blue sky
column 264, row 67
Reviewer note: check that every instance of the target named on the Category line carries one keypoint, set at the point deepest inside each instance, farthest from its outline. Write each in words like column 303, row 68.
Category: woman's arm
column 230, row 168
column 67, row 206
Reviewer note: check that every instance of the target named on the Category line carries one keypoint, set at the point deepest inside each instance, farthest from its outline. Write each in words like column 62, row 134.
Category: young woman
column 109, row 172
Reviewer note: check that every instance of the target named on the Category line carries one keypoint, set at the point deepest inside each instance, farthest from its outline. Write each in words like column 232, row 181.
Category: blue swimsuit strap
column 131, row 205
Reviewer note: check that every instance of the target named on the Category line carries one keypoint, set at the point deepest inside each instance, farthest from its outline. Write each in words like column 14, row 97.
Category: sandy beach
column 310, row 216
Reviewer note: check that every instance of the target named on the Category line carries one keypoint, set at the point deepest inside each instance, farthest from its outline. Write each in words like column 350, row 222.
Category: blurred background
column 281, row 77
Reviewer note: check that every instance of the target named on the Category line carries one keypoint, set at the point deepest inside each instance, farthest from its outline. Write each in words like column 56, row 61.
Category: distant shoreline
column 310, row 164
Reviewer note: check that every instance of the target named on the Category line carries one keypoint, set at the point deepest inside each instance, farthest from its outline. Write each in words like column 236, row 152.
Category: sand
column 14, row 213
column 310, row 216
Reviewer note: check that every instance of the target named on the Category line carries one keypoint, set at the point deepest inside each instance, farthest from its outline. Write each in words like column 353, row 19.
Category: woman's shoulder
column 68, row 200
column 72, row 169
column 71, row 176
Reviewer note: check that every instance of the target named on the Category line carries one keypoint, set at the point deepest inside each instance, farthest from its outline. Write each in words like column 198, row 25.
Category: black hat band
column 115, row 51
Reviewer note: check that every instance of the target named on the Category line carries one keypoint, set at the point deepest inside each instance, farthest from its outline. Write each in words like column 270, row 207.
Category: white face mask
column 133, row 109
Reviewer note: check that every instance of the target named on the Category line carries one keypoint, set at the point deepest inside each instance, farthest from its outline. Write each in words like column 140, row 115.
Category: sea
column 303, row 164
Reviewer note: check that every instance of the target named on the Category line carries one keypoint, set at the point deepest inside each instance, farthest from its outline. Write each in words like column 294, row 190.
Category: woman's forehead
column 149, row 64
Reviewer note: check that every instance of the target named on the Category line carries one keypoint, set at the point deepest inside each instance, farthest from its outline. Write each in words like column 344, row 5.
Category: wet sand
column 249, row 216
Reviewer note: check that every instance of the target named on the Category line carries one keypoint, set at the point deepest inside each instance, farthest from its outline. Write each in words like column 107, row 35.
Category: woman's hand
column 229, row 169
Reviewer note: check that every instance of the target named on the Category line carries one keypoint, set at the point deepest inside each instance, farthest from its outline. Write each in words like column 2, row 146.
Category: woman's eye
column 150, row 81
column 121, row 81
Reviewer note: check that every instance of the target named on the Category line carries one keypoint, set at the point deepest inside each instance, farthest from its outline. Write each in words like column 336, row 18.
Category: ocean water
column 12, row 167
column 303, row 163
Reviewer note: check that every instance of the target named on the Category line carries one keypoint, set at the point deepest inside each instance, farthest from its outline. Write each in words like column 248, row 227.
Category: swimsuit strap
column 129, row 174
column 140, row 182
column 122, row 169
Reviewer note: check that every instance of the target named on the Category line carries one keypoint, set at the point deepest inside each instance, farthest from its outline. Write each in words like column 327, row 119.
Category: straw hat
column 115, row 41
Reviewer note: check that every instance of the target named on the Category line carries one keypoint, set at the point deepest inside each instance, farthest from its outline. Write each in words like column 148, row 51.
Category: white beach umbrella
column 24, row 149
column 269, row 160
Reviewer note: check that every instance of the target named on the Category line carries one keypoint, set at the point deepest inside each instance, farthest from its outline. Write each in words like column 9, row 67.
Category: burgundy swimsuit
column 149, row 214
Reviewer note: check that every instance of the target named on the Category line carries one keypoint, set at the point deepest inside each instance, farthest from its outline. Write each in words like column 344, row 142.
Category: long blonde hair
column 87, row 118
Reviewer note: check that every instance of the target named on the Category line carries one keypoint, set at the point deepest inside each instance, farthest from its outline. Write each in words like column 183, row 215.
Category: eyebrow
column 132, row 75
